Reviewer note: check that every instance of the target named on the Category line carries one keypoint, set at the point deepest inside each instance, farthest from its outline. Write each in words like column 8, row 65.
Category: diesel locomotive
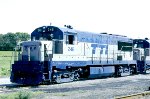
column 57, row 55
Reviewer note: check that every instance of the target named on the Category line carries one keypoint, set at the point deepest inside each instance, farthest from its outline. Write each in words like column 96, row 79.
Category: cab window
column 70, row 39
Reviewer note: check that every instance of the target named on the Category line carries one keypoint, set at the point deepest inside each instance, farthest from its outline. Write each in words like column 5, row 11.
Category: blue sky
column 124, row 17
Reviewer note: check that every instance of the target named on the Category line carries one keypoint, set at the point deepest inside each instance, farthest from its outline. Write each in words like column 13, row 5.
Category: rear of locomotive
column 141, row 54
column 33, row 58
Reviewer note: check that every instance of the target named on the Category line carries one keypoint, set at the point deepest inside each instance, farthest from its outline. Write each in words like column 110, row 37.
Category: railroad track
column 12, row 86
column 143, row 95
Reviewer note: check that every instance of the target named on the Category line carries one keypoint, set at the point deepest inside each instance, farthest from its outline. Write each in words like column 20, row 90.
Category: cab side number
column 70, row 48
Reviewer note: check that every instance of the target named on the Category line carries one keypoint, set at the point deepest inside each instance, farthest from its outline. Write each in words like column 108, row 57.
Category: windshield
column 47, row 33
column 138, row 45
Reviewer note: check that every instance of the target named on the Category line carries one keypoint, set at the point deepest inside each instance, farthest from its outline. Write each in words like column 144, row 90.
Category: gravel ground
column 107, row 88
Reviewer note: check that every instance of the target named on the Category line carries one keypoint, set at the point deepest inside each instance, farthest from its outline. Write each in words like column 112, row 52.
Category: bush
column 24, row 95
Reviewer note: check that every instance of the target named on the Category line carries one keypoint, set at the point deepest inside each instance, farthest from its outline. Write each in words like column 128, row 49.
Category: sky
column 124, row 17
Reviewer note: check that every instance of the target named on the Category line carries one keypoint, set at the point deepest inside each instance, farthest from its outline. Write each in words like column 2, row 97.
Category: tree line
column 9, row 41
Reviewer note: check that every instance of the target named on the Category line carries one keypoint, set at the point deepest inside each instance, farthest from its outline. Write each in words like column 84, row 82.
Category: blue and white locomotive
column 63, row 54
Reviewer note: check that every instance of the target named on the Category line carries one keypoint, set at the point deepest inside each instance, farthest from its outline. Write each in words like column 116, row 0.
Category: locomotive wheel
column 71, row 76
column 133, row 70
column 58, row 79
column 118, row 70
column 76, row 76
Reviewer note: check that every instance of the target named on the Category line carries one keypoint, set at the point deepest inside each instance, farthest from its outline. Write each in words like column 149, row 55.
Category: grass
column 20, row 95
column 6, row 59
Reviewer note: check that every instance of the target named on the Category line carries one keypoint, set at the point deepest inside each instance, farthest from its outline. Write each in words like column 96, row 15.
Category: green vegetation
column 20, row 95
column 6, row 59
column 9, row 41
column 7, row 44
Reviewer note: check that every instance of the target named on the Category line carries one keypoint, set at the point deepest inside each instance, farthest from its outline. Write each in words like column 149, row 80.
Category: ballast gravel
column 106, row 88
